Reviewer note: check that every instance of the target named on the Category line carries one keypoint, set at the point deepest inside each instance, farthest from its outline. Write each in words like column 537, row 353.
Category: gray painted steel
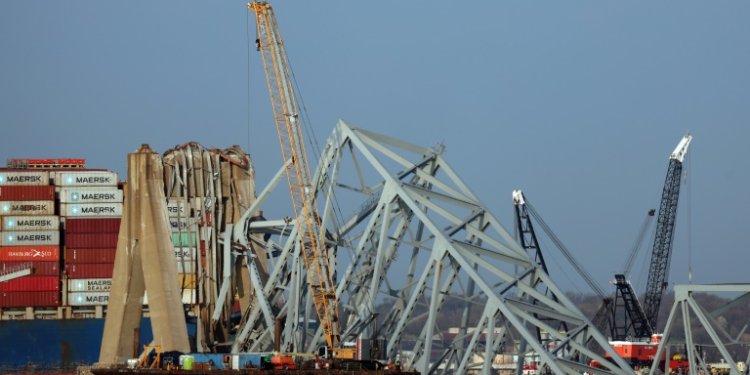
column 686, row 306
column 408, row 238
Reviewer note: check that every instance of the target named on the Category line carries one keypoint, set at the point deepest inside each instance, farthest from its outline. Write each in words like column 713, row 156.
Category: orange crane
column 288, row 125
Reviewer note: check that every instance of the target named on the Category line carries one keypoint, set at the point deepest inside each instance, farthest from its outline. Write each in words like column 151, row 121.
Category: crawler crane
column 288, row 125
column 644, row 317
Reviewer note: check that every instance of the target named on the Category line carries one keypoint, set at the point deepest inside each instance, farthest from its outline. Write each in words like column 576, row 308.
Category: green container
column 184, row 239
column 187, row 363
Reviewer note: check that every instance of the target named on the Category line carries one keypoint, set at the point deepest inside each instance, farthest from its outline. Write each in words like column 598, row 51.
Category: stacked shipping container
column 90, row 208
column 29, row 238
column 182, row 219
column 64, row 224
column 34, row 205
column 218, row 185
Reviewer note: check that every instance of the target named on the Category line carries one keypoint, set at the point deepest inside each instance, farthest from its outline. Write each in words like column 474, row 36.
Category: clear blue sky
column 579, row 103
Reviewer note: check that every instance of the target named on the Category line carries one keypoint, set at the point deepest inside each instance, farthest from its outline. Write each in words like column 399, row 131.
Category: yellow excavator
column 288, row 125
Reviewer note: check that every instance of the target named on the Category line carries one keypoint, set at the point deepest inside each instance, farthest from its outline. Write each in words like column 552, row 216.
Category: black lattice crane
column 644, row 316
column 661, row 254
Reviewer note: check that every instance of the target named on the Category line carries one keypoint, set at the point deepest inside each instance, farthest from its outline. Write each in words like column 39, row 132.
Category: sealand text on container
column 89, row 285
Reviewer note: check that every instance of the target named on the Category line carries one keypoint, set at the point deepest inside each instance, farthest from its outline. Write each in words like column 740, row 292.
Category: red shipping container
column 31, row 283
column 27, row 193
column 89, row 270
column 34, row 299
column 87, row 225
column 79, row 256
column 91, row 240
column 40, row 268
column 29, row 253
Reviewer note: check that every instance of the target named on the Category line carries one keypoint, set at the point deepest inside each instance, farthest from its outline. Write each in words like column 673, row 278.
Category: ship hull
column 53, row 345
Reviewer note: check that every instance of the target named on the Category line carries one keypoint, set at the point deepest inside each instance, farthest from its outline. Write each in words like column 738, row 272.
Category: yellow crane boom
column 288, row 126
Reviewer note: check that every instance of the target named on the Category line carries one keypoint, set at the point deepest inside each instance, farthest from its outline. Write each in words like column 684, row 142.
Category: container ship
column 58, row 238
column 59, row 230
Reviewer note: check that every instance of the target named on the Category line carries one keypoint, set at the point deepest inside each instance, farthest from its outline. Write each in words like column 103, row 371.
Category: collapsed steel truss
column 416, row 240
column 687, row 308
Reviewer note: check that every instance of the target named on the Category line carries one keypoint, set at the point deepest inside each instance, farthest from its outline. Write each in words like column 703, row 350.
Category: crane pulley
column 288, row 125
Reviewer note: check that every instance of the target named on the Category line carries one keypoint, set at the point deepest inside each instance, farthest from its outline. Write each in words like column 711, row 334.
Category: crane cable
column 638, row 242
column 689, row 207
column 312, row 139
column 586, row 276
column 552, row 259
column 247, row 33
column 306, row 122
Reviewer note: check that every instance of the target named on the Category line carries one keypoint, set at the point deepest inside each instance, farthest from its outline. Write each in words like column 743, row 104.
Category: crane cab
column 347, row 351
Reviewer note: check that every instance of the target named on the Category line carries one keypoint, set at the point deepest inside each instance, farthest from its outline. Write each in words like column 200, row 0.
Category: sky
column 578, row 103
